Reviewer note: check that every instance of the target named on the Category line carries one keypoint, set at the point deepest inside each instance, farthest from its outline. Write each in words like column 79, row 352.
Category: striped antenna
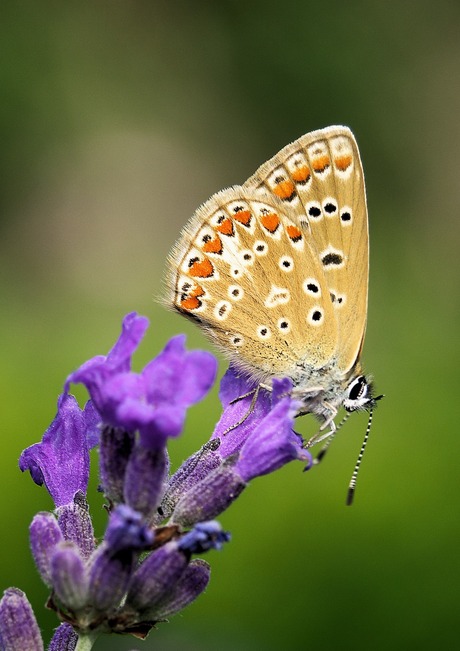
column 354, row 477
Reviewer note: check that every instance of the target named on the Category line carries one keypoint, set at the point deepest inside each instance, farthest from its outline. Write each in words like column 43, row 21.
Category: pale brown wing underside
column 249, row 275
column 276, row 271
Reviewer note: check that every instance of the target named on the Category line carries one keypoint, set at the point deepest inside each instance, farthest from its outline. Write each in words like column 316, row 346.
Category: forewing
column 319, row 179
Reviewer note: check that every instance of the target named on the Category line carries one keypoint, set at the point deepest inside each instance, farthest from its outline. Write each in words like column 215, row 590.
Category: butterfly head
column 359, row 395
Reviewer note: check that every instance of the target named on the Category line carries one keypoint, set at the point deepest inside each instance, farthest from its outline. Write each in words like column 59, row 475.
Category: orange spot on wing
column 198, row 291
column 343, row 162
column 243, row 216
column 284, row 189
column 301, row 174
column 294, row 233
column 192, row 302
column 202, row 269
column 225, row 227
column 270, row 221
column 322, row 163
column 213, row 246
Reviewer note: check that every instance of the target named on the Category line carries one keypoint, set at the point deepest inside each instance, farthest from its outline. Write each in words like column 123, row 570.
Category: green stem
column 85, row 642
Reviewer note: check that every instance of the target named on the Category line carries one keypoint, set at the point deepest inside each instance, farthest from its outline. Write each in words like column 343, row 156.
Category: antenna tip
column 350, row 495
column 320, row 456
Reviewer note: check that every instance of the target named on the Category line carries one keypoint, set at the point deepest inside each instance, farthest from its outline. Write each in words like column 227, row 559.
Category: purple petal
column 178, row 376
column 203, row 537
column 93, row 424
column 281, row 388
column 272, row 444
column 98, row 370
column 132, row 333
column 233, row 386
column 61, row 460
column 165, row 422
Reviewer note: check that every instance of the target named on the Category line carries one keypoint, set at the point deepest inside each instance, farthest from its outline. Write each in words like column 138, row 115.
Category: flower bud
column 208, row 498
column 76, row 525
column 18, row 627
column 45, row 534
column 68, row 572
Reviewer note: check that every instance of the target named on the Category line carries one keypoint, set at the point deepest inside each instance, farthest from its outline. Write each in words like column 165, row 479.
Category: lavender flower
column 143, row 570
column 209, row 482
column 154, row 401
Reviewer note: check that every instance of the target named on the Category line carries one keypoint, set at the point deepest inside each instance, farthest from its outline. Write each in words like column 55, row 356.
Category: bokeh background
column 117, row 119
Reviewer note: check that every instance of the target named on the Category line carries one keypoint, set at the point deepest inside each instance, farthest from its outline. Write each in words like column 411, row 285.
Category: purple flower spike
column 18, row 626
column 61, row 459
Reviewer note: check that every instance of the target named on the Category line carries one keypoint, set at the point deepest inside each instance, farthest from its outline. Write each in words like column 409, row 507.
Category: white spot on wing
column 277, row 296
column 286, row 263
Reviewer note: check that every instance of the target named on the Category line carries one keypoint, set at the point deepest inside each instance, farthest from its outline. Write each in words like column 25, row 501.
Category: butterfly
column 275, row 272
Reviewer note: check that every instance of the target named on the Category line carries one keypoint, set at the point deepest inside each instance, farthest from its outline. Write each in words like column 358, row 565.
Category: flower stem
column 85, row 642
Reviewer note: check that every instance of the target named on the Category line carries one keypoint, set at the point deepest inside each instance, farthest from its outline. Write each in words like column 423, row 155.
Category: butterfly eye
column 357, row 388
column 359, row 394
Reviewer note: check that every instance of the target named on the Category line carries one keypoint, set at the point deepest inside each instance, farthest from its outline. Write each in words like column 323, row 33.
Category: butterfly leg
column 255, row 394
column 317, row 438
column 328, row 422
column 245, row 395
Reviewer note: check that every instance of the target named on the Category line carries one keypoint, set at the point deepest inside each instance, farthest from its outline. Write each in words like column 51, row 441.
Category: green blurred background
column 117, row 120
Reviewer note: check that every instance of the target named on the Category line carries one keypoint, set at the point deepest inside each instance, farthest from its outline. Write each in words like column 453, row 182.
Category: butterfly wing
column 246, row 272
column 319, row 179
